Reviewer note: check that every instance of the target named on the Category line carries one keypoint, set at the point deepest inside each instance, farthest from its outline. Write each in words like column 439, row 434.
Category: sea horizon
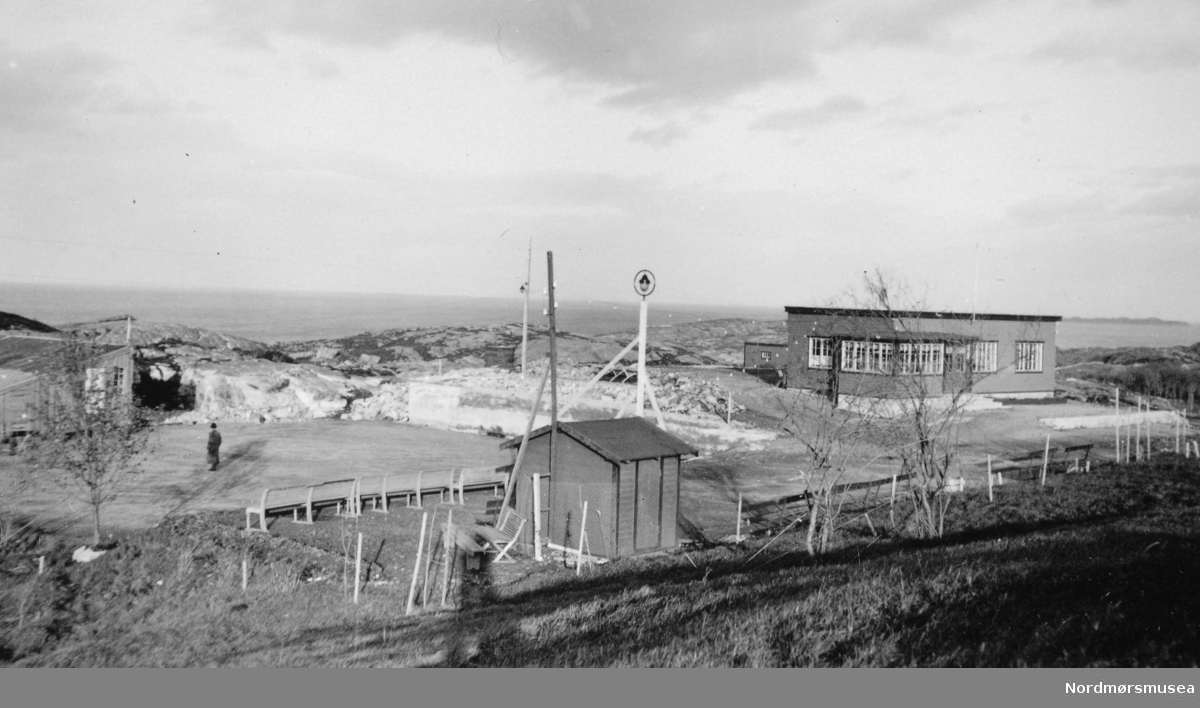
column 287, row 316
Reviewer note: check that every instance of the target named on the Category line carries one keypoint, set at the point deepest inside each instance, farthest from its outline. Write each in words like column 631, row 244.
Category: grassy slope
column 1089, row 571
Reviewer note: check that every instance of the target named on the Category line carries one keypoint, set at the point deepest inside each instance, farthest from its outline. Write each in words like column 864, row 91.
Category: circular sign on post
column 643, row 283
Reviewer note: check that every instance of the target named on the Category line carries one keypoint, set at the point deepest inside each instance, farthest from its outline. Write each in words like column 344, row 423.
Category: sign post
column 643, row 284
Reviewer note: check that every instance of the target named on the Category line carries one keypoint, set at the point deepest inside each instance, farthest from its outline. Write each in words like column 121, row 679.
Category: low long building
column 25, row 360
column 857, row 352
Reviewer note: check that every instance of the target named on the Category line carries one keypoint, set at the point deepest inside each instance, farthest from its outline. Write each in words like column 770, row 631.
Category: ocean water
column 294, row 316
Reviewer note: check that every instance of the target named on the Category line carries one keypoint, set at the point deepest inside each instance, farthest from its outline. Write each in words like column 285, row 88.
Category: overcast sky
column 758, row 152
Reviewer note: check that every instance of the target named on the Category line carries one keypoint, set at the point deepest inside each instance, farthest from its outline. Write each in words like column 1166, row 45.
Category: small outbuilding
column 626, row 469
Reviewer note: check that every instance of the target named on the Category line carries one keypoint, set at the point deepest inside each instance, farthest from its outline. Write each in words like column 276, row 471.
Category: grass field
column 1091, row 570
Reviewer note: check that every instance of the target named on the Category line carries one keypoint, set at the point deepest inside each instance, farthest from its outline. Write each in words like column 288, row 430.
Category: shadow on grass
column 244, row 463
column 1079, row 581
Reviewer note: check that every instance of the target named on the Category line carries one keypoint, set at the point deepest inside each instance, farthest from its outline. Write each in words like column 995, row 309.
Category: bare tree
column 90, row 433
column 932, row 378
column 835, row 441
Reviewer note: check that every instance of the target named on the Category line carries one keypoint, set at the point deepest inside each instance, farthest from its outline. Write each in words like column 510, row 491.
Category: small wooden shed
column 626, row 469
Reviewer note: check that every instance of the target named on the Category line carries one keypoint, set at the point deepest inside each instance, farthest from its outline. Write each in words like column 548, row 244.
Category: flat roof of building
column 917, row 314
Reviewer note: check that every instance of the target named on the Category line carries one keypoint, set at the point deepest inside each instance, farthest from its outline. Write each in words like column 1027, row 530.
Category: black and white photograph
column 605, row 334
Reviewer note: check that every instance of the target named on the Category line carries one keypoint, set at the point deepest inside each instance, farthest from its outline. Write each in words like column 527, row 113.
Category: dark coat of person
column 214, row 448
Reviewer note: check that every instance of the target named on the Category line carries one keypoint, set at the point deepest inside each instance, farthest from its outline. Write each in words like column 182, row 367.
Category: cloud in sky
column 1150, row 37
column 903, row 22
column 661, row 136
column 831, row 109
column 674, row 52
column 1150, row 53
column 779, row 148
column 43, row 88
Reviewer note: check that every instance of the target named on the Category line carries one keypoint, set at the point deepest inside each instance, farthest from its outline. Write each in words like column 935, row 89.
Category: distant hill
column 11, row 321
column 704, row 342
column 1128, row 321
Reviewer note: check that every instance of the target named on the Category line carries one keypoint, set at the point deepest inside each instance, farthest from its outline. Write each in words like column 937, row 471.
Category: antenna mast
column 525, row 318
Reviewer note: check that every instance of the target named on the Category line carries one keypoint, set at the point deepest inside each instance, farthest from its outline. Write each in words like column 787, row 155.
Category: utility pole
column 553, row 369
column 525, row 319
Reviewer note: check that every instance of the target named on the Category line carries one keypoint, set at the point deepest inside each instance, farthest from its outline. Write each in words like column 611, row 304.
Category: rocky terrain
column 1168, row 376
column 198, row 375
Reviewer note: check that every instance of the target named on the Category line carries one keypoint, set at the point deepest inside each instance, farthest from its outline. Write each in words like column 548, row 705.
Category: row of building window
column 919, row 357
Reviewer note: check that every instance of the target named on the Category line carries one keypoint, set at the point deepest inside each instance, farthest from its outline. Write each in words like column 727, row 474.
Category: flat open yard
column 711, row 485
column 175, row 478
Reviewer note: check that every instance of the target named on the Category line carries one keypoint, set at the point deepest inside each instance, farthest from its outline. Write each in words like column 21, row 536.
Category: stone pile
column 388, row 402
column 678, row 393
column 257, row 390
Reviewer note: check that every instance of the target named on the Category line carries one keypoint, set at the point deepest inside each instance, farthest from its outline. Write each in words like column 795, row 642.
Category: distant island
column 1128, row 321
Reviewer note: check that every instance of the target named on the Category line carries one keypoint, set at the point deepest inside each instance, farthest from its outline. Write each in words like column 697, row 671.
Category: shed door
column 649, row 506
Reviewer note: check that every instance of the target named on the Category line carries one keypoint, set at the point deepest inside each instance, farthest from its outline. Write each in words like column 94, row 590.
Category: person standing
column 214, row 448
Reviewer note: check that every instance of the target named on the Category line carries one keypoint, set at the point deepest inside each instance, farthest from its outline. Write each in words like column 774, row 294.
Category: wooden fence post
column 1045, row 460
column 739, row 518
column 412, row 588
column 429, row 560
column 245, row 573
column 449, row 556
column 892, row 504
column 1138, row 431
column 582, row 538
column 537, row 516
column 358, row 568
column 990, row 478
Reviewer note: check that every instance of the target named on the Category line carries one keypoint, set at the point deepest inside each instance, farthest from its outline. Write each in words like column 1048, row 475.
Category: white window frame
column 922, row 358
column 765, row 355
column 1029, row 357
column 817, row 359
column 983, row 357
column 867, row 357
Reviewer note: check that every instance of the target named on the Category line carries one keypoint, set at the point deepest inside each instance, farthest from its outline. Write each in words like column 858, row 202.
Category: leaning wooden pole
column 512, row 476
column 607, row 368
column 582, row 538
column 412, row 588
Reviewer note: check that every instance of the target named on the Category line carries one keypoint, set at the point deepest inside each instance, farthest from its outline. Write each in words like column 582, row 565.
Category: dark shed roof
column 36, row 353
column 618, row 440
